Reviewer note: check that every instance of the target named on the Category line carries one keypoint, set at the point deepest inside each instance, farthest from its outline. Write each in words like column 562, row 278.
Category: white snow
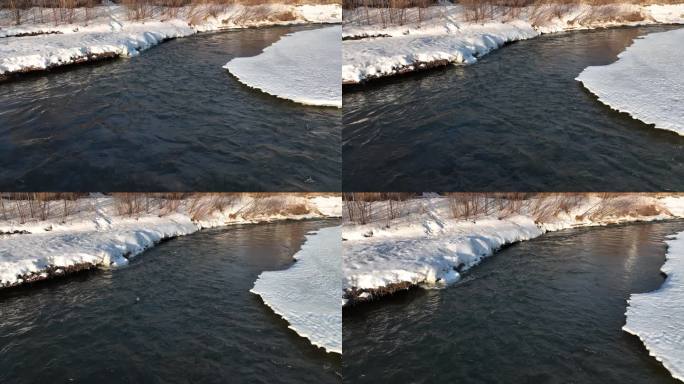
column 24, row 254
column 428, row 255
column 647, row 80
column 96, row 235
column 372, row 58
column 444, row 35
column 303, row 67
column 111, row 33
column 306, row 294
column 657, row 317
column 427, row 246
column 31, row 53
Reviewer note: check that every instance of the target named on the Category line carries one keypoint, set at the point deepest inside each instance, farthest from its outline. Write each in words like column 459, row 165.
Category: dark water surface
column 517, row 120
column 195, row 321
column 169, row 119
column 549, row 310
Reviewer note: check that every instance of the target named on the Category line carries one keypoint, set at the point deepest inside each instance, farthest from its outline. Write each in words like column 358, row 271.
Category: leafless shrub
column 358, row 206
column 270, row 204
column 129, row 204
column 26, row 206
column 203, row 205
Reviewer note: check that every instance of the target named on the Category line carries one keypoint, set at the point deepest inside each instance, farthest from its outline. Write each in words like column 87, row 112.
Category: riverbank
column 111, row 31
column 187, row 300
column 105, row 231
column 443, row 35
column 544, row 291
column 430, row 241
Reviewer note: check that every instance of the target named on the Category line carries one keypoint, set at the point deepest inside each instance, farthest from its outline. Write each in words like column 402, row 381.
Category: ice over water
column 647, row 81
column 303, row 67
column 307, row 294
column 657, row 317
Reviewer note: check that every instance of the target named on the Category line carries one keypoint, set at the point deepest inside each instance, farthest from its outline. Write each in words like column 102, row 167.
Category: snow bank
column 306, row 294
column 33, row 53
column 34, row 257
column 647, row 80
column 96, row 235
column 428, row 247
column 657, row 317
column 112, row 34
column 431, row 260
column 374, row 58
column 442, row 34
column 303, row 67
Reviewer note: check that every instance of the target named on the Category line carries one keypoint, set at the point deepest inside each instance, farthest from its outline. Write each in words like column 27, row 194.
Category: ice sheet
column 657, row 317
column 646, row 82
column 303, row 67
column 307, row 294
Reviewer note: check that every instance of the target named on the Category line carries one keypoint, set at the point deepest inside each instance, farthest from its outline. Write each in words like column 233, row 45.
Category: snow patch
column 306, row 294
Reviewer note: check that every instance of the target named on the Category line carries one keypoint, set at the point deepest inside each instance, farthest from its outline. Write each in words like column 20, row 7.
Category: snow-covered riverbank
column 96, row 233
column 657, row 317
column 646, row 82
column 443, row 35
column 306, row 294
column 303, row 67
column 39, row 45
column 424, row 245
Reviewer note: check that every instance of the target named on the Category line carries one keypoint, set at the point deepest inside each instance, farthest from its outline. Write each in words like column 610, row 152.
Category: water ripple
column 546, row 310
column 517, row 120
column 131, row 118
column 181, row 312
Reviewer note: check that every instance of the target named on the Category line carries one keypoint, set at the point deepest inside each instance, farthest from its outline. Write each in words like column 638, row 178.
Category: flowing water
column 180, row 313
column 170, row 119
column 516, row 120
column 549, row 310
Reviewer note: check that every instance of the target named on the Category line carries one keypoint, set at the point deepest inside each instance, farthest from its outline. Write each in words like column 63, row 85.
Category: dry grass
column 364, row 208
column 271, row 204
column 203, row 205
column 17, row 12
column 41, row 206
column 400, row 12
